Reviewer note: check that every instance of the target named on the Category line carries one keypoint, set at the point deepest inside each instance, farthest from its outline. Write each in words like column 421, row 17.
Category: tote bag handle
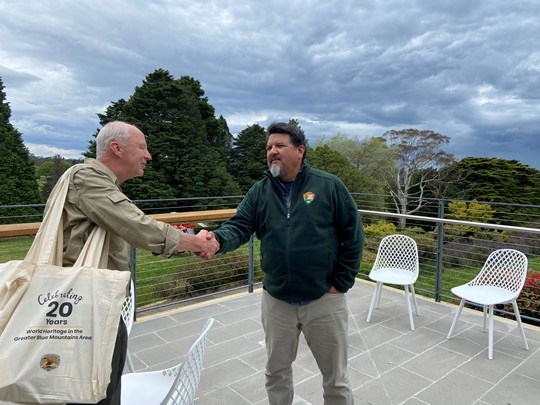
column 95, row 251
column 47, row 247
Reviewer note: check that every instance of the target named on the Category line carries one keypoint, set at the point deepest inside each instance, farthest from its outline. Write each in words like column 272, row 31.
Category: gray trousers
column 324, row 323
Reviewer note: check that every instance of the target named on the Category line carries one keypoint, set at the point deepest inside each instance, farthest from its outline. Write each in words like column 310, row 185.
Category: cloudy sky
column 468, row 69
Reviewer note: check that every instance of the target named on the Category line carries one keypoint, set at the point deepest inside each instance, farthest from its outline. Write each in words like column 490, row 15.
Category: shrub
column 221, row 273
column 529, row 299
column 373, row 235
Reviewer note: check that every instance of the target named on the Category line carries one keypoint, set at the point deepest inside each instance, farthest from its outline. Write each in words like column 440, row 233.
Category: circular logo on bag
column 49, row 362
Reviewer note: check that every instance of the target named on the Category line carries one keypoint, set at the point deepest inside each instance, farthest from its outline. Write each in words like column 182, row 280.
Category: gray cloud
column 466, row 69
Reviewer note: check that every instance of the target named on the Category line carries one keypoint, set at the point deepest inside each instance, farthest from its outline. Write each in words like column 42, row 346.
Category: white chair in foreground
column 499, row 282
column 175, row 385
column 396, row 263
column 128, row 313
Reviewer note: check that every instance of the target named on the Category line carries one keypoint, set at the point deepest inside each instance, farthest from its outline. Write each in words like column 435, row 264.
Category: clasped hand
column 210, row 245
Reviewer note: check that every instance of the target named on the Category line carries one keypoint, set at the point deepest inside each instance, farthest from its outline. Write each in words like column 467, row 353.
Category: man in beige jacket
column 95, row 199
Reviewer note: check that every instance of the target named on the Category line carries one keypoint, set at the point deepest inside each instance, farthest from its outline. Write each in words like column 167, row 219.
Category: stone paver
column 389, row 363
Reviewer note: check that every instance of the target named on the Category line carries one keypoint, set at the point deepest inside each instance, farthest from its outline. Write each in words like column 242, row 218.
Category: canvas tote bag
column 58, row 325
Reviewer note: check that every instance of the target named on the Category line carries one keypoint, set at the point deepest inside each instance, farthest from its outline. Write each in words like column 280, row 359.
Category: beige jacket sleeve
column 94, row 193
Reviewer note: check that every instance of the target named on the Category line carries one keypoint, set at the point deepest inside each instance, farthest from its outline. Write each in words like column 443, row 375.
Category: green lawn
column 184, row 275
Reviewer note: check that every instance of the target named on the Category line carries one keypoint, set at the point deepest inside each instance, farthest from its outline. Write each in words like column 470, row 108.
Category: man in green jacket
column 311, row 246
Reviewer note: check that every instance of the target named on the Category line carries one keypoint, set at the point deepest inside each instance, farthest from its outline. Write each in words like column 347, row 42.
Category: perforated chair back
column 176, row 385
column 128, row 314
column 504, row 268
column 396, row 263
column 399, row 252
column 188, row 373
column 499, row 282
column 128, row 308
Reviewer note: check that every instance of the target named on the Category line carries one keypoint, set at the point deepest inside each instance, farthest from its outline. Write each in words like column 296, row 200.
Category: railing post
column 251, row 268
column 440, row 236
column 133, row 270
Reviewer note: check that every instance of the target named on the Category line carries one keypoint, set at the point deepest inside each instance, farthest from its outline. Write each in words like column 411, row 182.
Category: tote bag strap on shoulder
column 48, row 243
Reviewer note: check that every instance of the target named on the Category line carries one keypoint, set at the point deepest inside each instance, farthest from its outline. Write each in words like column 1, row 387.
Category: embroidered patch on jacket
column 309, row 197
column 49, row 362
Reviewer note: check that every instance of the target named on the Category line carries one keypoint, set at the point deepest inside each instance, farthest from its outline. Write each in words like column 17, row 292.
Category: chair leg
column 490, row 334
column 373, row 301
column 485, row 313
column 129, row 362
column 518, row 319
column 379, row 293
column 458, row 313
column 409, row 309
column 414, row 300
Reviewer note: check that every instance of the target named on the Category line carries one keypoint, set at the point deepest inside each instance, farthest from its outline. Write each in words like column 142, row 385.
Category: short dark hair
column 295, row 134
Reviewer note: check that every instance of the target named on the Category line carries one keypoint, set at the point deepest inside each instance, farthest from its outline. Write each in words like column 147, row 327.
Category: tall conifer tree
column 248, row 156
column 18, row 184
column 185, row 139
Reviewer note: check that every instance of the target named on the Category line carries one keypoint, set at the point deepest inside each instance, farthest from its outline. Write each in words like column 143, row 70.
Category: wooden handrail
column 31, row 228
column 12, row 230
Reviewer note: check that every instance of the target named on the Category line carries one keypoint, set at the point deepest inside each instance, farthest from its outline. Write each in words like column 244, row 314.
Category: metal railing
column 451, row 251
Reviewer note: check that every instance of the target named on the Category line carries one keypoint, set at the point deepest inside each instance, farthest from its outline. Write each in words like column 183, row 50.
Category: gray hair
column 112, row 131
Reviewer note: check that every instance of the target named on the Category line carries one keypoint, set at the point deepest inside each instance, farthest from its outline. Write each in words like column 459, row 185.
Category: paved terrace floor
column 388, row 363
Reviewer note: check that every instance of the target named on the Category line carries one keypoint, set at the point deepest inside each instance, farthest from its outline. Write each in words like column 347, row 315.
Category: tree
column 186, row 141
column 217, row 130
column 352, row 147
column 371, row 159
column 295, row 122
column 248, row 156
column 324, row 158
column 418, row 159
column 499, row 181
column 168, row 113
column 472, row 212
column 18, row 183
column 370, row 156
column 48, row 174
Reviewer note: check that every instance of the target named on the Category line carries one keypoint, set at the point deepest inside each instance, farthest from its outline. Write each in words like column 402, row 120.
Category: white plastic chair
column 396, row 263
column 499, row 282
column 128, row 313
column 175, row 385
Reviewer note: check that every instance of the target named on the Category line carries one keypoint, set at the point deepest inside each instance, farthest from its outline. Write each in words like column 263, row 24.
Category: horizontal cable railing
column 452, row 251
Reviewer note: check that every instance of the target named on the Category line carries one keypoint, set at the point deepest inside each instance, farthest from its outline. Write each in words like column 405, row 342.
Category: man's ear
column 116, row 148
column 301, row 150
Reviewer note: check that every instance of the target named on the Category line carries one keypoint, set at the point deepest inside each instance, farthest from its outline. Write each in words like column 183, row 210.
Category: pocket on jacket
column 124, row 204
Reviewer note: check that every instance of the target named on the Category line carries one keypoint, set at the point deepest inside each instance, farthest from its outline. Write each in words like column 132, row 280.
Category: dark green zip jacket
column 305, row 250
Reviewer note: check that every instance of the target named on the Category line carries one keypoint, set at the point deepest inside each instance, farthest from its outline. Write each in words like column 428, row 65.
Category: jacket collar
column 96, row 164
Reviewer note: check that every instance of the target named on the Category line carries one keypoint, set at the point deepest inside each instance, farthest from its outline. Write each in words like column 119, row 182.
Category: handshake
column 208, row 245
